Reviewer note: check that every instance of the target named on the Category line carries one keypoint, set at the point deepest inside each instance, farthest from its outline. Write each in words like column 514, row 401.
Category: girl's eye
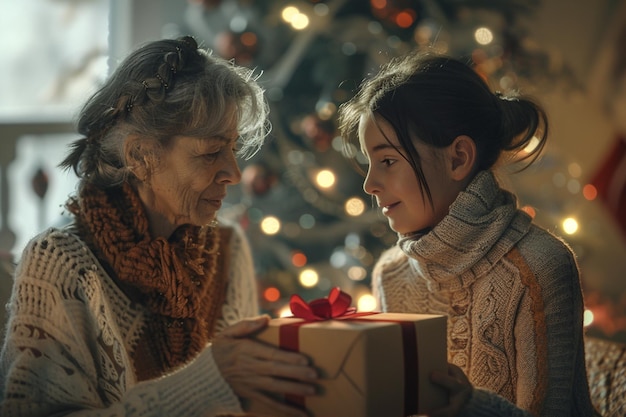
column 388, row 161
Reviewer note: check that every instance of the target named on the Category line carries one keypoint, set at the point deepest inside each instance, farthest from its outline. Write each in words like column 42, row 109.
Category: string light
column 325, row 178
column 289, row 13
column 573, row 186
column 483, row 36
column 320, row 9
column 532, row 145
column 405, row 18
column 248, row 39
column 298, row 259
column 530, row 211
column 570, row 225
column 590, row 192
column 284, row 311
column 307, row 221
column 354, row 206
column 338, row 259
column 357, row 273
column 308, row 278
column 295, row 18
column 270, row 225
column 366, row 302
column 574, row 170
column 271, row 294
column 587, row 318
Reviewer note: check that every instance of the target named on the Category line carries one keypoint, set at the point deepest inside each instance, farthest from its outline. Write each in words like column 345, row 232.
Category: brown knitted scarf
column 180, row 280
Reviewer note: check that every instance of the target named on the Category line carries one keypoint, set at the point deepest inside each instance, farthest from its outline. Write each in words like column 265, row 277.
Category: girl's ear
column 462, row 157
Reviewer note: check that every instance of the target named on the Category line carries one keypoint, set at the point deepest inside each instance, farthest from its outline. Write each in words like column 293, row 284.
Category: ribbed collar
column 483, row 224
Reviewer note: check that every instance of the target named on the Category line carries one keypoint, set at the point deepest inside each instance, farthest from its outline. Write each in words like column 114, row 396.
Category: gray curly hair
column 164, row 89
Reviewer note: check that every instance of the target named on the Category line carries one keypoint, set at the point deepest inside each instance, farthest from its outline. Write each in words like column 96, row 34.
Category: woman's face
column 391, row 179
column 189, row 182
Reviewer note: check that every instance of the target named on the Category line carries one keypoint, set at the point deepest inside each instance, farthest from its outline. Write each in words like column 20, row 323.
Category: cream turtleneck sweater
column 512, row 295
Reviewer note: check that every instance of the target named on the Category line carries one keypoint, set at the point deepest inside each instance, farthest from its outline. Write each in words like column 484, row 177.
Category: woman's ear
column 137, row 157
column 462, row 157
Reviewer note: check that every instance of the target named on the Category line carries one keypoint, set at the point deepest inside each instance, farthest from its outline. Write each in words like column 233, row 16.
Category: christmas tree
column 301, row 201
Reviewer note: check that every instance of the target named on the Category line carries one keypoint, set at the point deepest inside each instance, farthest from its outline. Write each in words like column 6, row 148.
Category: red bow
column 337, row 304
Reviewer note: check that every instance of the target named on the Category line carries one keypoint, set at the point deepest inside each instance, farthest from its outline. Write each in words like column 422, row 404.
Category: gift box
column 370, row 364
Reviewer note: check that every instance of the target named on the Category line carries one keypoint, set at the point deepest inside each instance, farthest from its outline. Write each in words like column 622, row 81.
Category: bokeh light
column 483, row 36
column 570, row 225
column 357, row 273
column 532, row 145
column 590, row 192
column 530, row 211
column 298, row 259
column 366, row 302
column 308, row 278
column 354, row 206
column 295, row 18
column 271, row 294
column 270, row 225
column 325, row 178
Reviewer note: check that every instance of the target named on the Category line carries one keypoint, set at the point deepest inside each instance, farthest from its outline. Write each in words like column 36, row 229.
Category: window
column 56, row 52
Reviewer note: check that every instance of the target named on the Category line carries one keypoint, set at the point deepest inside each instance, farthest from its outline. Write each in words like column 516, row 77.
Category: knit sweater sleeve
column 241, row 297
column 65, row 350
column 551, row 378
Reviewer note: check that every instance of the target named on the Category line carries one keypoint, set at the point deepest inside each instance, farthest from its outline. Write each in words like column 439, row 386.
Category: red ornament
column 320, row 132
column 398, row 13
column 241, row 47
column 257, row 180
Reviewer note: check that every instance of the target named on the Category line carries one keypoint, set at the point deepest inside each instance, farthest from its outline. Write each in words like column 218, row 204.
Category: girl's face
column 190, row 180
column 391, row 179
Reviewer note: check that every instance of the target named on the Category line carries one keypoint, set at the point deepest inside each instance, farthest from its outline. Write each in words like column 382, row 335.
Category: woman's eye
column 211, row 155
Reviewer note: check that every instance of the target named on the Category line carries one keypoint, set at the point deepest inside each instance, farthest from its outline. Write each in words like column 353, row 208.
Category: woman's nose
column 230, row 173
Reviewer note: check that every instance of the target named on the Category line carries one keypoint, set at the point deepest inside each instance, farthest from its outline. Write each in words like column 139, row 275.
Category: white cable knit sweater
column 72, row 331
column 512, row 295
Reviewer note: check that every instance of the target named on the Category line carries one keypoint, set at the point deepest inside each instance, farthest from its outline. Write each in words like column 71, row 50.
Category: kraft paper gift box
column 375, row 365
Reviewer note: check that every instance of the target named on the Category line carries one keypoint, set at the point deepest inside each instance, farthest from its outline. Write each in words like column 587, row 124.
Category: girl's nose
column 369, row 185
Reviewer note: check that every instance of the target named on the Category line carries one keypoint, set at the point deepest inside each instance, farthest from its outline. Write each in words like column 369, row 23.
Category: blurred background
column 300, row 200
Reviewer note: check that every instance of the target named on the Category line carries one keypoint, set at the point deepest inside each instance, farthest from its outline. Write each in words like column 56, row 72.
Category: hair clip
column 189, row 42
column 163, row 83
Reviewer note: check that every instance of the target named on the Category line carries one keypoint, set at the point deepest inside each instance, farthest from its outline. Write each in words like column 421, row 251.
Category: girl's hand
column 459, row 387
column 256, row 370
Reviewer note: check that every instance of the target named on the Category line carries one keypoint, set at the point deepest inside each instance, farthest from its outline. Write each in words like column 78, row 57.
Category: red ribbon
column 337, row 306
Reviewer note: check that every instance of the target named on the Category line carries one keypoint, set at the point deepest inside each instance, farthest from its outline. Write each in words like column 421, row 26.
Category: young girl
column 432, row 132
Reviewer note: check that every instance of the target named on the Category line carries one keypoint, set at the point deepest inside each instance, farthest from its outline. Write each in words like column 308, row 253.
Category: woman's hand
column 255, row 370
column 459, row 387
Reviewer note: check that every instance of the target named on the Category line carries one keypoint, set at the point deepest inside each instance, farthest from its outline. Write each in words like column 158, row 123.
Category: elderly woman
column 138, row 307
